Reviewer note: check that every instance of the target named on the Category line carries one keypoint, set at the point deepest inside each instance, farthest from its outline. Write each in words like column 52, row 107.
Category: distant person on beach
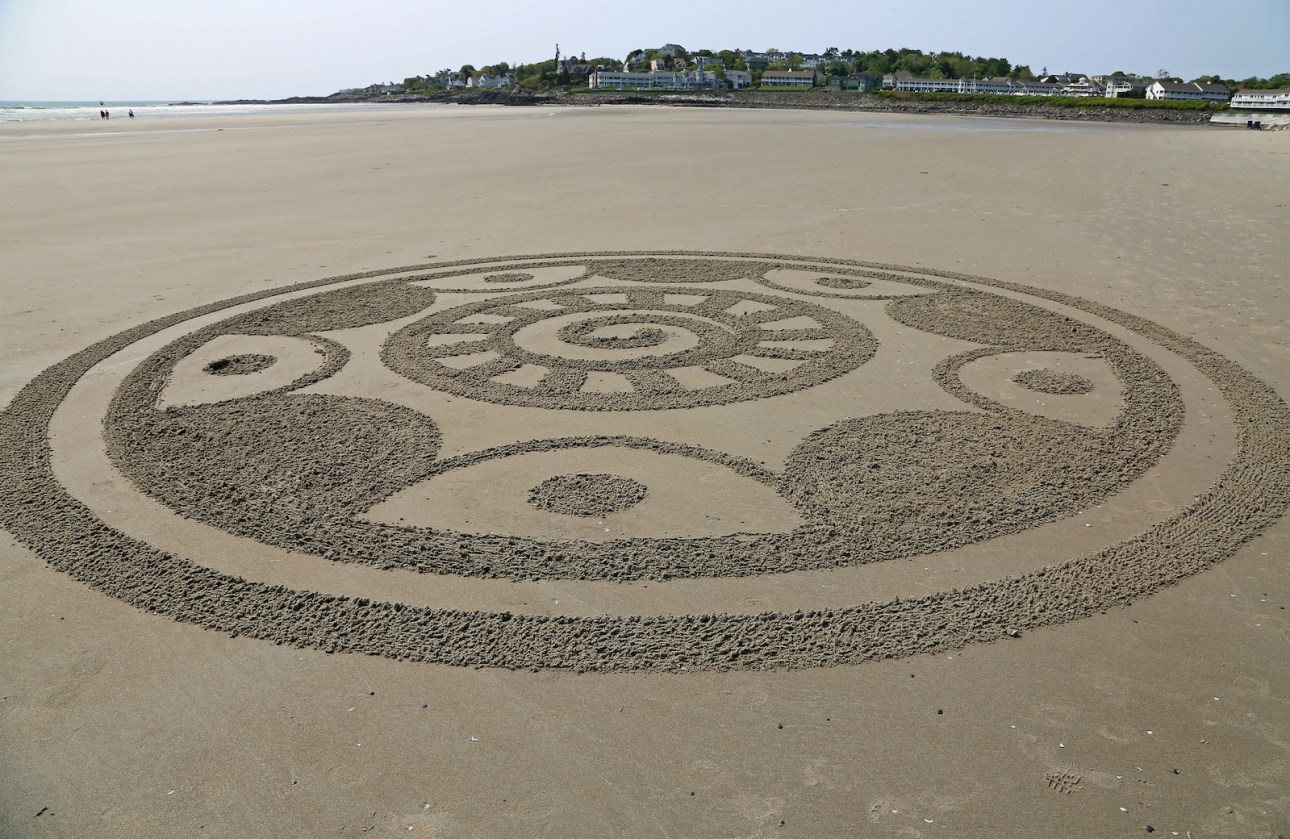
column 102, row 114
column 132, row 113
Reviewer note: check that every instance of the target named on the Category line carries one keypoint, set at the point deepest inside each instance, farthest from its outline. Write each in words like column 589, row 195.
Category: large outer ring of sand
column 1250, row 494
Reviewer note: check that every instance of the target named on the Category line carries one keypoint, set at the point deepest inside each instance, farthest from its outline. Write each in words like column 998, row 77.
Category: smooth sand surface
column 1169, row 713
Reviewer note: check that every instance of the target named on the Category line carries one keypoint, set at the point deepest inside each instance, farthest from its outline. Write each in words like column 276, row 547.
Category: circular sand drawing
column 629, row 349
column 718, row 461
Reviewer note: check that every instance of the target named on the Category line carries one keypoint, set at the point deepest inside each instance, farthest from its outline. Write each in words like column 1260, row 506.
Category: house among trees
column 863, row 82
column 486, row 81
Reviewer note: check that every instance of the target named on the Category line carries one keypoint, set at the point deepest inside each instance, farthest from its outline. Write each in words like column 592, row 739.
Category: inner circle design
column 595, row 333
column 1251, row 492
column 558, row 349
column 844, row 283
column 240, row 365
column 1053, row 381
column 587, row 495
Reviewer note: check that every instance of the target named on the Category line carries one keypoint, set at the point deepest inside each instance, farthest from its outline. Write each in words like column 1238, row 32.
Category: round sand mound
column 614, row 419
column 587, row 495
column 1053, row 381
column 243, row 364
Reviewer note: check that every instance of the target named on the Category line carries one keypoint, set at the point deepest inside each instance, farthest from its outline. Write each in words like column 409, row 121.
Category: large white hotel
column 668, row 80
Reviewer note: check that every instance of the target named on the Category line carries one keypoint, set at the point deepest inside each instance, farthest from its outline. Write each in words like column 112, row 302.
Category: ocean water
column 40, row 111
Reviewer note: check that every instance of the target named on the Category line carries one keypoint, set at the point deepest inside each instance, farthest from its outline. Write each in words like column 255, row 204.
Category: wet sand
column 1168, row 712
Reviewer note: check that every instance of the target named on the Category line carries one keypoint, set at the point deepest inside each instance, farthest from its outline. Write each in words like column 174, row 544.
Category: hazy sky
column 203, row 49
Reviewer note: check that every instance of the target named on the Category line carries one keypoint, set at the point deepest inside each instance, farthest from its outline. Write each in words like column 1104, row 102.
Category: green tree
column 732, row 60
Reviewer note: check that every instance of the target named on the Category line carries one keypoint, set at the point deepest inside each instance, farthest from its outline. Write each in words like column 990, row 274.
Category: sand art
column 587, row 495
column 826, row 402
column 1053, row 381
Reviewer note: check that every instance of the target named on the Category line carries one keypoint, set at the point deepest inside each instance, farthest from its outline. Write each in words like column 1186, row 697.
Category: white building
column 932, row 85
column 1082, row 86
column 999, row 85
column 1272, row 100
column 487, row 82
column 739, row 79
column 1215, row 92
column 1178, row 90
column 788, row 78
column 681, row 80
column 1116, row 87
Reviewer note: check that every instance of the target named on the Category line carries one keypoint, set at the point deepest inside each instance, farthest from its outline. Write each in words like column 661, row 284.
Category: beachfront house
column 485, row 81
column 999, row 85
column 855, row 81
column 1115, row 88
column 1267, row 100
column 788, row 78
column 739, row 79
column 1215, row 92
column 655, row 80
column 1081, row 86
column 1189, row 91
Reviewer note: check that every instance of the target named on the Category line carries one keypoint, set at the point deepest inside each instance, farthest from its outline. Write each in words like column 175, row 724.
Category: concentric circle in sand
column 739, row 418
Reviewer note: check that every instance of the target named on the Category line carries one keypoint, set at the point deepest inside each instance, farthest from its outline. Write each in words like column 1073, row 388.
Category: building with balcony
column 788, row 78
column 1265, row 100
column 654, row 80
column 1188, row 91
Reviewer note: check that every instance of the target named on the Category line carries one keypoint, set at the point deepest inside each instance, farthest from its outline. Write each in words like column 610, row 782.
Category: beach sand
column 1169, row 713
